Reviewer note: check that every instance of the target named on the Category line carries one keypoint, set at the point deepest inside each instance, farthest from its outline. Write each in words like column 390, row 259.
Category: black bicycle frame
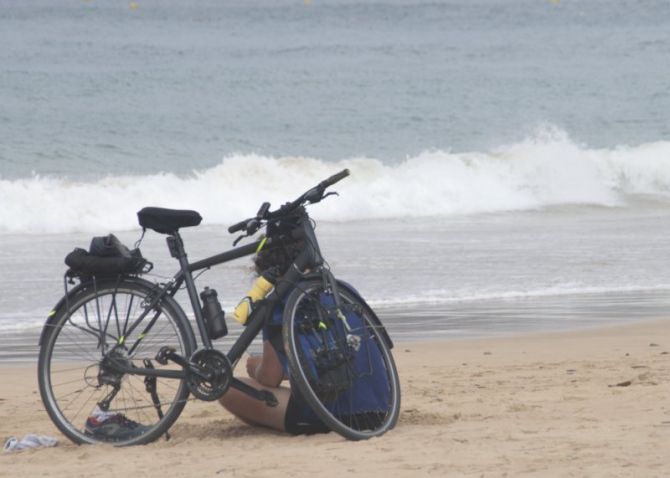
column 308, row 259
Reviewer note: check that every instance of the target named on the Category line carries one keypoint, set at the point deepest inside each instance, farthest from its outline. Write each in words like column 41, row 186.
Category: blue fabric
column 370, row 391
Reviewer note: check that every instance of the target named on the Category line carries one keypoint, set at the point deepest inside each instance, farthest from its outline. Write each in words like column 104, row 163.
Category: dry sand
column 584, row 403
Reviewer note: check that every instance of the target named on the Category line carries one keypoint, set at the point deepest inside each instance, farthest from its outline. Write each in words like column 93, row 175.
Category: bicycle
column 121, row 343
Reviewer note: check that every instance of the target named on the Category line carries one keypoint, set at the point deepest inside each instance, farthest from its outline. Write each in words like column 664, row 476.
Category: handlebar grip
column 240, row 226
column 335, row 178
column 262, row 212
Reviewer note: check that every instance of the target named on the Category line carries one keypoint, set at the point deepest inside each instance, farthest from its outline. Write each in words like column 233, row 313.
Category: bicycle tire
column 329, row 373
column 71, row 376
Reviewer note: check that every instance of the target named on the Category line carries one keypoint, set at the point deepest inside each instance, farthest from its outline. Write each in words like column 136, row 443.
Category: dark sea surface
column 510, row 160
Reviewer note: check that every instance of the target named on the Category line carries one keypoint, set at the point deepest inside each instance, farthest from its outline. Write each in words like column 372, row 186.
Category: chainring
column 216, row 366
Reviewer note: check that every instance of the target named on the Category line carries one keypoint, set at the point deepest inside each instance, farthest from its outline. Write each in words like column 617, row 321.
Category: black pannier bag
column 106, row 256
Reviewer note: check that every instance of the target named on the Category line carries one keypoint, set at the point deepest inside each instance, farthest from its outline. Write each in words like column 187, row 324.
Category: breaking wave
column 546, row 170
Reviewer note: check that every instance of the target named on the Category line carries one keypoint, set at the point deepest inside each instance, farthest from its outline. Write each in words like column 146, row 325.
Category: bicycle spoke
column 85, row 333
column 65, row 370
column 74, row 417
column 80, row 346
column 113, row 310
column 132, row 396
column 343, row 364
column 75, row 392
column 129, row 309
column 61, row 384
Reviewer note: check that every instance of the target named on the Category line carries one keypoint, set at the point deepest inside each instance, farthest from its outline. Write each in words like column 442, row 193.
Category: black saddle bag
column 106, row 256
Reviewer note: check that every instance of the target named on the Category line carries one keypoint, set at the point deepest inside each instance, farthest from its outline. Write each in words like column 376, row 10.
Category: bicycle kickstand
column 150, row 385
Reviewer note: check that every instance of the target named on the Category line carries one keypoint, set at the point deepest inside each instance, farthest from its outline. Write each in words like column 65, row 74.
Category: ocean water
column 510, row 159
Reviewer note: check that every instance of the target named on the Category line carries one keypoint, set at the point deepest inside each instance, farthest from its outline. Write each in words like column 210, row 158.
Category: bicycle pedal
column 164, row 354
column 269, row 398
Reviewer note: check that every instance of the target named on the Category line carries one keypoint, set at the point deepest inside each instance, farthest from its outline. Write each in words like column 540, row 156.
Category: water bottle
column 258, row 290
column 215, row 317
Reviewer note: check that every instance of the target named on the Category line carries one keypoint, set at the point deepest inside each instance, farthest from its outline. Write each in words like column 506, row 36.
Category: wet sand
column 452, row 320
column 590, row 402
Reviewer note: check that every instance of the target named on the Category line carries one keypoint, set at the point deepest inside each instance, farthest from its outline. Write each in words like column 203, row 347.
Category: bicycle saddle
column 167, row 221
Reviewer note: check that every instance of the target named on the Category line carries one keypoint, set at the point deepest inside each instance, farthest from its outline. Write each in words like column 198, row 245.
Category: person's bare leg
column 266, row 369
column 257, row 412
column 252, row 365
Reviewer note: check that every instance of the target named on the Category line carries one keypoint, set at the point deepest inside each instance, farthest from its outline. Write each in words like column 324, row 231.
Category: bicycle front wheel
column 103, row 325
column 340, row 360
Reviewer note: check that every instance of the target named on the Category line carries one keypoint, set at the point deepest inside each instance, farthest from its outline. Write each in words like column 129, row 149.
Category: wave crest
column 546, row 170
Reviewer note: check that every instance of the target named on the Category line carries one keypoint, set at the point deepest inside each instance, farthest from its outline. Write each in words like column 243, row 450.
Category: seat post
column 177, row 250
column 175, row 244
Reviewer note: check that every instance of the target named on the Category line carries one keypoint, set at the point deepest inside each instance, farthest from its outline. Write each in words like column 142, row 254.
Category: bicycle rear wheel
column 82, row 342
column 341, row 363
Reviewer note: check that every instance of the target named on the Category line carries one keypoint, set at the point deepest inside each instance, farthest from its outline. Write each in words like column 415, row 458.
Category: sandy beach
column 593, row 402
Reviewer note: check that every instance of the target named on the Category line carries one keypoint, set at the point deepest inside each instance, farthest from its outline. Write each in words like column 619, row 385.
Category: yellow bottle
column 258, row 290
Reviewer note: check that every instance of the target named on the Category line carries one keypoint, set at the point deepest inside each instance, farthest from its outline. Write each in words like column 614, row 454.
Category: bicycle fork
column 353, row 341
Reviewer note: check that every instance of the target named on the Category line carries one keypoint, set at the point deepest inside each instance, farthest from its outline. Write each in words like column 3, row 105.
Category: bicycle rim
column 351, row 384
column 74, row 379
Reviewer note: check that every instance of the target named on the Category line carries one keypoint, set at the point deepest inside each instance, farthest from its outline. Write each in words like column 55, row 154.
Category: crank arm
column 261, row 395
column 167, row 353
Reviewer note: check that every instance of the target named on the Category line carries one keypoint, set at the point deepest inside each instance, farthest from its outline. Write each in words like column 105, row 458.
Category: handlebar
column 334, row 178
column 240, row 226
column 312, row 196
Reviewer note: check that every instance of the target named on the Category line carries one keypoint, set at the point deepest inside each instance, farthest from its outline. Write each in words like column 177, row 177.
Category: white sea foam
column 34, row 320
column 546, row 170
column 446, row 297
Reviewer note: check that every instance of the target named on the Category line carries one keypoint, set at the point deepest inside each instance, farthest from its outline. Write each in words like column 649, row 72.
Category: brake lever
column 252, row 227
column 323, row 196
column 314, row 195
